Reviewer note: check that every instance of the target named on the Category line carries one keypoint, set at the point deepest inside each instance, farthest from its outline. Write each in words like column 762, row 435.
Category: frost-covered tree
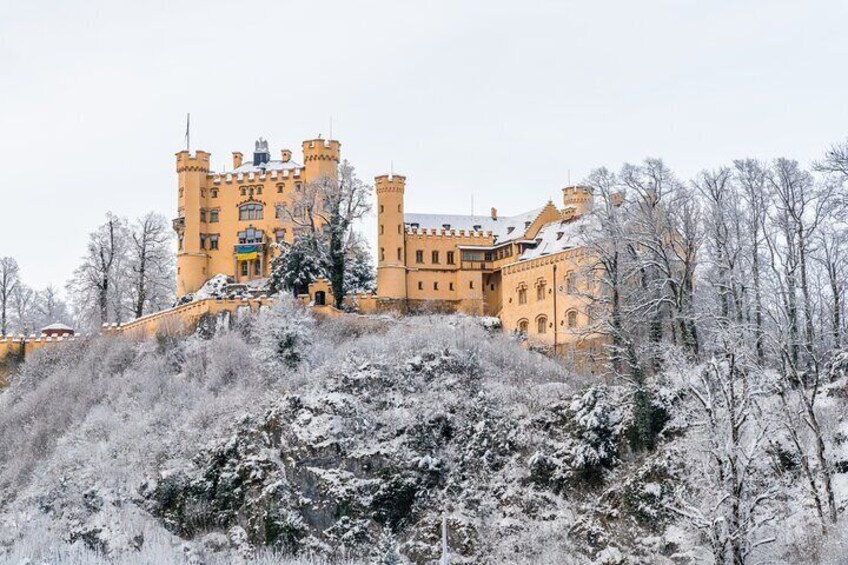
column 299, row 264
column 150, row 265
column 9, row 280
column 284, row 333
column 359, row 273
column 331, row 207
column 96, row 281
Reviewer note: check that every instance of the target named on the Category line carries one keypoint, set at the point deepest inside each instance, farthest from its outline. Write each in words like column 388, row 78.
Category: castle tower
column 577, row 198
column 191, row 259
column 391, row 260
column 321, row 158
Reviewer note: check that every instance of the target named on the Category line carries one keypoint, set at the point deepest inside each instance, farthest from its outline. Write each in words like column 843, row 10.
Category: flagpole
column 188, row 132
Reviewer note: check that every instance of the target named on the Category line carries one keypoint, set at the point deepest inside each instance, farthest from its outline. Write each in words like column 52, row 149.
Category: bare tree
column 150, row 264
column 94, row 281
column 23, row 302
column 9, row 280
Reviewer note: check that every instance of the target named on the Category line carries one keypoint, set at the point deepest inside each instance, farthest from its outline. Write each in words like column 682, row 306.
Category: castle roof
column 503, row 228
column 559, row 236
column 267, row 167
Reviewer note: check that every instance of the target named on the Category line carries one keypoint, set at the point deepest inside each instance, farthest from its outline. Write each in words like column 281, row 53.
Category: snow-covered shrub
column 283, row 333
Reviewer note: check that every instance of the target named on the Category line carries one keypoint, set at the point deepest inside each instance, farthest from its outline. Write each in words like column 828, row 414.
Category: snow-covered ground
column 293, row 440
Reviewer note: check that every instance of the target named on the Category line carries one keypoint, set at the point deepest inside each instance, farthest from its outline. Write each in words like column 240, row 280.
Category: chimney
column 285, row 155
column 494, row 213
column 237, row 159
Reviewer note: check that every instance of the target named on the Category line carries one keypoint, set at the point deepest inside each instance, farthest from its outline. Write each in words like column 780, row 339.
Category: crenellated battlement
column 390, row 183
column 423, row 233
column 229, row 178
column 198, row 162
column 321, row 150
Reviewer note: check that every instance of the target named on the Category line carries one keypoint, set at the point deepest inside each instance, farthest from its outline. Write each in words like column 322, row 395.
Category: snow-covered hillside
column 289, row 439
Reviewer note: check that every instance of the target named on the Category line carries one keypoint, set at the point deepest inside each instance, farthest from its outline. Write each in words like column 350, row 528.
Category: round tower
column 192, row 173
column 391, row 248
column 579, row 198
column 321, row 158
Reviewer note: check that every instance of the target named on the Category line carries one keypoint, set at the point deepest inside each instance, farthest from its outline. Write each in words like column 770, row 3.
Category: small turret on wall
column 577, row 200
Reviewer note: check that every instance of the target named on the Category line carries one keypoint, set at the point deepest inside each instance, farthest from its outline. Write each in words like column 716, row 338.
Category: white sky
column 500, row 99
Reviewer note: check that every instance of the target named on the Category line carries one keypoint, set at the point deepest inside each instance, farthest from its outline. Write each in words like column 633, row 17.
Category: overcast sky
column 498, row 99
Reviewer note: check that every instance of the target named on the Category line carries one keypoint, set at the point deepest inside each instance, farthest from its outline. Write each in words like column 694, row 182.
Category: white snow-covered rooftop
column 268, row 167
column 503, row 228
column 558, row 236
column 57, row 327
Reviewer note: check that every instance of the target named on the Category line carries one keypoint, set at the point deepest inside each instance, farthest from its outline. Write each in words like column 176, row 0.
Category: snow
column 268, row 167
column 499, row 227
column 559, row 236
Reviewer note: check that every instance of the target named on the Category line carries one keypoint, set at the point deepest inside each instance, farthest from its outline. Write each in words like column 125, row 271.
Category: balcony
column 178, row 224
column 477, row 265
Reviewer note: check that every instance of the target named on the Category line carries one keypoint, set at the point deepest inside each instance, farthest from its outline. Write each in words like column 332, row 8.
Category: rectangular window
column 450, row 286
column 435, row 257
column 213, row 242
column 420, row 285
column 471, row 284
column 203, row 215
column 244, row 269
column 214, row 216
column 202, row 241
column 540, row 292
column 280, row 235
column 400, row 254
column 435, row 286
column 257, row 267
column 419, row 256
column 451, row 259
column 382, row 254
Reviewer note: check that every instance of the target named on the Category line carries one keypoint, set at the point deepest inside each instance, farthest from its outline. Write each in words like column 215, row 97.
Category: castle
column 226, row 221
column 524, row 269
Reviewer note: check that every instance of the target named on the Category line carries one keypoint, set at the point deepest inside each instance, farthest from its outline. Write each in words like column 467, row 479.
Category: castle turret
column 321, row 158
column 577, row 200
column 191, row 259
column 391, row 260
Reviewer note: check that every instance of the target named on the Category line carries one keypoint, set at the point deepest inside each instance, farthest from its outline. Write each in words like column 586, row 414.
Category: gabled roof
column 57, row 327
column 559, row 236
column 503, row 228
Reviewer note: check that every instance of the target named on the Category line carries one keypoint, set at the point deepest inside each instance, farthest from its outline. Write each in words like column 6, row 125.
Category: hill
column 279, row 438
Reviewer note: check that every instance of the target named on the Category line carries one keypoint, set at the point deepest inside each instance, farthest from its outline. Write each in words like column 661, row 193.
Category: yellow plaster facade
column 523, row 269
column 227, row 221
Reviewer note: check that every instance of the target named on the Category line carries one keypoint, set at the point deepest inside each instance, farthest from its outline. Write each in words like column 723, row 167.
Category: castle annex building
column 523, row 268
column 226, row 221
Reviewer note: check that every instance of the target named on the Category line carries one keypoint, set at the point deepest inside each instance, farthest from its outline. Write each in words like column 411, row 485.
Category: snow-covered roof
column 558, row 236
column 500, row 226
column 57, row 327
column 268, row 167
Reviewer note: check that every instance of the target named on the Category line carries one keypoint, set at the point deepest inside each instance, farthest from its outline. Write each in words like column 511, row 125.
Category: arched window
column 250, row 211
column 214, row 193
column 571, row 318
column 523, row 326
column 541, row 324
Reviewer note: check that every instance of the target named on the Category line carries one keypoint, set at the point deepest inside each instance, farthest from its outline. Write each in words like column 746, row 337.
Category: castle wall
column 551, row 273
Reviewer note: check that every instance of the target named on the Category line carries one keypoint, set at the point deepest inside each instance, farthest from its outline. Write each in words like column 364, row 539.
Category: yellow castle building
column 524, row 268
column 227, row 221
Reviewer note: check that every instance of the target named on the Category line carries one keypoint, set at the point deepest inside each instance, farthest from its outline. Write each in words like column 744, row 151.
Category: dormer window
column 414, row 226
column 446, row 226
column 510, row 229
column 527, row 225
column 559, row 235
column 477, row 228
